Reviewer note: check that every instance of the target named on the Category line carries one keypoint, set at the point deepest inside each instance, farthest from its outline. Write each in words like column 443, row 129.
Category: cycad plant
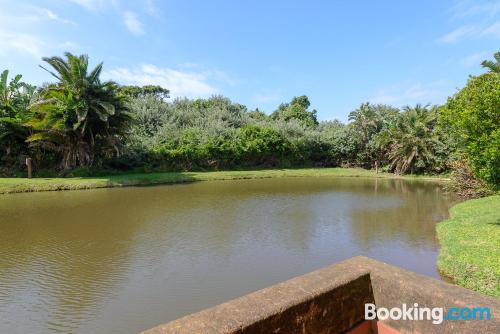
column 411, row 140
column 79, row 115
column 14, row 99
column 365, row 119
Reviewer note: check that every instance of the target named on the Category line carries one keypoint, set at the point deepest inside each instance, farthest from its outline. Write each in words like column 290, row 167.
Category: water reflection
column 121, row 260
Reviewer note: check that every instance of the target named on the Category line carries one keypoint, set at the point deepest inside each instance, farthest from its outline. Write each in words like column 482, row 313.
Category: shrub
column 474, row 115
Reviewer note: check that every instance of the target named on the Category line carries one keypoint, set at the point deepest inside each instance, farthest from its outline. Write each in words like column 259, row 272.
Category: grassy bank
column 16, row 185
column 470, row 245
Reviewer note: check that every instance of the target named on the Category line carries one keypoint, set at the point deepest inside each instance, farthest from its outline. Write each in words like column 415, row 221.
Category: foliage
column 15, row 96
column 82, row 124
column 411, row 141
column 464, row 183
column 493, row 66
column 207, row 133
column 473, row 114
column 297, row 109
column 216, row 133
column 368, row 122
column 79, row 117
column 143, row 91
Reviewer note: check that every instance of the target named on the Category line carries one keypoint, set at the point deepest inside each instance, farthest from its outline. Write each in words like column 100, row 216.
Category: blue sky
column 261, row 53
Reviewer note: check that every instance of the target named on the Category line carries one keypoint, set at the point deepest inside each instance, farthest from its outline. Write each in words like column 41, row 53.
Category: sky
column 262, row 53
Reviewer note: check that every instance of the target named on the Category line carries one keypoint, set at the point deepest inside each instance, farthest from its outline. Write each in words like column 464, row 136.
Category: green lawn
column 470, row 245
column 15, row 185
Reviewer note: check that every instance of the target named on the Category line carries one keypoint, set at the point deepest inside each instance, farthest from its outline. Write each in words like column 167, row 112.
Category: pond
column 124, row 260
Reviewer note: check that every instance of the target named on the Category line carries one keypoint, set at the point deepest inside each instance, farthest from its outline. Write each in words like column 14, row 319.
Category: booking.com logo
column 436, row 314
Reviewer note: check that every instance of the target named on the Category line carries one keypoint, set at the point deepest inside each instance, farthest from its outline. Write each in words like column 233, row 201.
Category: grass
column 17, row 185
column 470, row 245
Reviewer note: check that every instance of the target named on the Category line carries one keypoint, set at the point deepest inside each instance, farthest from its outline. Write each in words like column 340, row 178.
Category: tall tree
column 297, row 109
column 411, row 140
column 364, row 119
column 80, row 116
column 143, row 91
column 473, row 114
column 14, row 99
column 367, row 122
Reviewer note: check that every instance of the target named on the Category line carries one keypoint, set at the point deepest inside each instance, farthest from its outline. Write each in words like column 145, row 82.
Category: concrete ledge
column 393, row 286
column 331, row 300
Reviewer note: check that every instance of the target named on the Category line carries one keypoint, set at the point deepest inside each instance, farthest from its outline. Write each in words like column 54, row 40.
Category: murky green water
column 123, row 260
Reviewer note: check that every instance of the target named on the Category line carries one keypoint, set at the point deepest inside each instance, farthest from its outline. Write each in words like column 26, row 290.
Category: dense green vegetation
column 80, row 118
column 15, row 97
column 216, row 133
column 469, row 245
column 81, row 126
column 473, row 114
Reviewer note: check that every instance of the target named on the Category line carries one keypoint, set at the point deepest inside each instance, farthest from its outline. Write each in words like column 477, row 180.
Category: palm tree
column 369, row 120
column 493, row 66
column 365, row 119
column 411, row 140
column 14, row 99
column 79, row 117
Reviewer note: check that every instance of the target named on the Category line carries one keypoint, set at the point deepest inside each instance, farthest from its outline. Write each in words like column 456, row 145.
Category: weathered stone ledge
column 332, row 299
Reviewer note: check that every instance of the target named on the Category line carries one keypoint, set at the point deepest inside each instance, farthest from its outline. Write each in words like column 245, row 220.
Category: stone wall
column 331, row 300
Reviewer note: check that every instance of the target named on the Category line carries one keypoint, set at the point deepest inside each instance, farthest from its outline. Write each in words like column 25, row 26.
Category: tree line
column 81, row 125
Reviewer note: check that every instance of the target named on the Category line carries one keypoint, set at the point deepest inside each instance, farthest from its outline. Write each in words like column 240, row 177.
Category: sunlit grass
column 14, row 185
column 470, row 245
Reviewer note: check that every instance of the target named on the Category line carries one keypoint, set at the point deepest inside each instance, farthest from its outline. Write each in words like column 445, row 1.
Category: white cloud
column 95, row 4
column 32, row 15
column 492, row 30
column 475, row 59
column 215, row 74
column 68, row 46
column 458, row 34
column 484, row 25
column 180, row 84
column 21, row 43
column 221, row 77
column 471, row 31
column 17, row 41
column 266, row 97
column 50, row 15
column 411, row 93
column 132, row 23
column 89, row 4
column 130, row 18
column 20, row 35
column 468, row 8
column 150, row 7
